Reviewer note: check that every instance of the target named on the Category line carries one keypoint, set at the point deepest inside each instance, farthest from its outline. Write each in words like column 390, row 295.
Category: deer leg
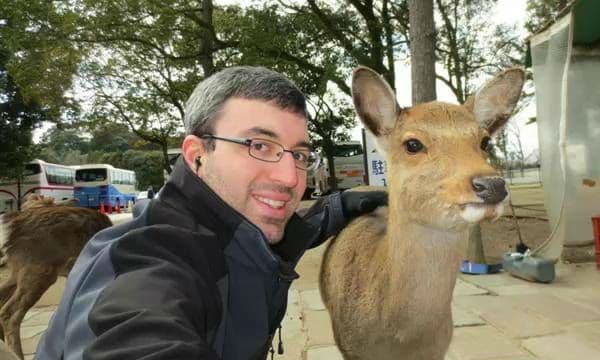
column 32, row 282
column 6, row 290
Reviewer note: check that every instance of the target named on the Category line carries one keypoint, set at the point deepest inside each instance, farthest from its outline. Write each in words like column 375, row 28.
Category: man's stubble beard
column 214, row 180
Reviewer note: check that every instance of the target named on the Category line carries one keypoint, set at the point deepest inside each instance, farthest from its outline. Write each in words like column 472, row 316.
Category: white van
column 349, row 164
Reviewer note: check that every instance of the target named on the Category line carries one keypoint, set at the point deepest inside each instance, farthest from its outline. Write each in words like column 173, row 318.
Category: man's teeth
column 272, row 203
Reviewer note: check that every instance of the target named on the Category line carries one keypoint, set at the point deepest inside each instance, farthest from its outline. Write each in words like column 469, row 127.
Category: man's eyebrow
column 257, row 130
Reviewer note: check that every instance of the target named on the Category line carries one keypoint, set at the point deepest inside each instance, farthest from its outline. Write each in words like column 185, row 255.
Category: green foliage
column 41, row 60
column 109, row 143
column 18, row 118
column 541, row 12
column 63, row 146
column 371, row 33
column 147, row 167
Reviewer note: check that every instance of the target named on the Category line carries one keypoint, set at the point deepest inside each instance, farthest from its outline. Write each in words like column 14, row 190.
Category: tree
column 366, row 32
column 540, row 13
column 422, row 50
column 63, row 146
column 46, row 62
column 517, row 153
column 18, row 118
column 331, row 120
column 144, row 57
column 470, row 48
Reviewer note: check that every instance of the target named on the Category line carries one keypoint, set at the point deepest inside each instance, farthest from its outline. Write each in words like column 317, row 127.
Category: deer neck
column 423, row 258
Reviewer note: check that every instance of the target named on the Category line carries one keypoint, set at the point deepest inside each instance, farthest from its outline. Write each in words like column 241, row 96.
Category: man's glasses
column 270, row 151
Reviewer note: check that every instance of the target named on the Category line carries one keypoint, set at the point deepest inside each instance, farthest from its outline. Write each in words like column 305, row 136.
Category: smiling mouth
column 275, row 204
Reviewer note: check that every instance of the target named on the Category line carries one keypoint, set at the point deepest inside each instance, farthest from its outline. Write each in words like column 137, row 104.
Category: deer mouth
column 475, row 212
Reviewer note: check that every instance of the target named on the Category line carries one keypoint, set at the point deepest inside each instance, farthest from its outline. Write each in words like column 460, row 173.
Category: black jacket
column 190, row 278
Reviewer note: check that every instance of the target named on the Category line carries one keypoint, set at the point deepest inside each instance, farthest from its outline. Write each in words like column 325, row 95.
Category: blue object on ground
column 468, row 267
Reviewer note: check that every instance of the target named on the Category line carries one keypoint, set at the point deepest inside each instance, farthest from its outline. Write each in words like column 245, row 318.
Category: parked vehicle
column 103, row 183
column 173, row 154
column 49, row 180
column 349, row 169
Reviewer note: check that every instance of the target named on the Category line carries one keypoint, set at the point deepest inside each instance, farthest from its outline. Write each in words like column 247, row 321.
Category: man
column 204, row 272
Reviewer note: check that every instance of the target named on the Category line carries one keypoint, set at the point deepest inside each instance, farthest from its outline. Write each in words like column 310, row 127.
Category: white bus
column 39, row 177
column 103, row 183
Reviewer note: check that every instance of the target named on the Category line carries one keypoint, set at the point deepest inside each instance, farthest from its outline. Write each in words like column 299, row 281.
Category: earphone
column 198, row 163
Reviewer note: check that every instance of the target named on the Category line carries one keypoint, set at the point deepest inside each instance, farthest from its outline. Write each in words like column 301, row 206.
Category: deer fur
column 31, row 201
column 387, row 279
column 36, row 200
column 41, row 243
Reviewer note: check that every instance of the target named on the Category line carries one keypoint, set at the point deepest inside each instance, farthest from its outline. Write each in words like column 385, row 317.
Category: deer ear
column 375, row 104
column 495, row 101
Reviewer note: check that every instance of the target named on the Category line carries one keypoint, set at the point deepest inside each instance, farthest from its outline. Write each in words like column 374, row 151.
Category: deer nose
column 491, row 190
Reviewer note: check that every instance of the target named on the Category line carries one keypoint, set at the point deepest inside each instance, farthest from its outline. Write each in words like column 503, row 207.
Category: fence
column 522, row 176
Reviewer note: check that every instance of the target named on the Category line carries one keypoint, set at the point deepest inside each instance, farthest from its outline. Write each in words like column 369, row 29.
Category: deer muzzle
column 490, row 189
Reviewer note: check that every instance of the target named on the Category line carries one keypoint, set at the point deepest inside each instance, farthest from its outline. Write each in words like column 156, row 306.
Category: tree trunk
column 422, row 50
column 206, row 41
column 164, row 147
column 329, row 150
column 19, row 182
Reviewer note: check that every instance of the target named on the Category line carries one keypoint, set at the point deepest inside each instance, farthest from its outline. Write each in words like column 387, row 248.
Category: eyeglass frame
column 248, row 142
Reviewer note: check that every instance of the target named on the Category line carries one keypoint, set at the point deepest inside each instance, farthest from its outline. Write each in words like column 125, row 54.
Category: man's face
column 266, row 193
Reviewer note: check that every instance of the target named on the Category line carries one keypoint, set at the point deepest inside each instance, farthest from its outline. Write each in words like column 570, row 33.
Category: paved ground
column 495, row 316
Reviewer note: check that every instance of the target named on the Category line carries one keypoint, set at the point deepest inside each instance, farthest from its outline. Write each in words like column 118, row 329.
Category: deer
column 37, row 200
column 387, row 279
column 33, row 201
column 41, row 242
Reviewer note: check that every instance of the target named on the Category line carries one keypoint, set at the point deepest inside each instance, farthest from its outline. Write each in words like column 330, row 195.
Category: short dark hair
column 246, row 82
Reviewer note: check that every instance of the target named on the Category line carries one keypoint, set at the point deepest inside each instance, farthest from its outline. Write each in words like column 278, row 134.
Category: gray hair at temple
column 253, row 83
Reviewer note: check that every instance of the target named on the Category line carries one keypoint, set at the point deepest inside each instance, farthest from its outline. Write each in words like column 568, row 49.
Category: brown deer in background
column 388, row 278
column 41, row 243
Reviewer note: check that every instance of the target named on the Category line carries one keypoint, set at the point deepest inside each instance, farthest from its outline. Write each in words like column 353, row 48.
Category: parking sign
column 376, row 163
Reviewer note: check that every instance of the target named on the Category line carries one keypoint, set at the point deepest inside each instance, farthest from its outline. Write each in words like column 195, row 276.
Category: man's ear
column 191, row 150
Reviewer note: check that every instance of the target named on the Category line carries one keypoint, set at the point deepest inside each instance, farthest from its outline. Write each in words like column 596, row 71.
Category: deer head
column 35, row 201
column 436, row 152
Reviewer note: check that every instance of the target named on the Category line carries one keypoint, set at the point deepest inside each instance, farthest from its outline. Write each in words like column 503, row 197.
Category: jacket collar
column 187, row 192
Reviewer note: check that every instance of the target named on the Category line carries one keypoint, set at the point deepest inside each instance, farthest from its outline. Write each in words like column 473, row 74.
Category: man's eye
column 300, row 156
column 260, row 146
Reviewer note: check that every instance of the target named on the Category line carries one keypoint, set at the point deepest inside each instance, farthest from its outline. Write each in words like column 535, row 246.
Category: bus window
column 59, row 176
column 87, row 175
column 32, row 169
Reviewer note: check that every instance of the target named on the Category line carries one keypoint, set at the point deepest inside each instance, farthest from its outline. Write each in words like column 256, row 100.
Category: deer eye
column 486, row 144
column 413, row 146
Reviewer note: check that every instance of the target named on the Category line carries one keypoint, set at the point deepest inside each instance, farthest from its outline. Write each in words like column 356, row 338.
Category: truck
column 348, row 159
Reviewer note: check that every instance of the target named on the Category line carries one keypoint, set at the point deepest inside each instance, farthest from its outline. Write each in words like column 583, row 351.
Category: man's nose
column 285, row 171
